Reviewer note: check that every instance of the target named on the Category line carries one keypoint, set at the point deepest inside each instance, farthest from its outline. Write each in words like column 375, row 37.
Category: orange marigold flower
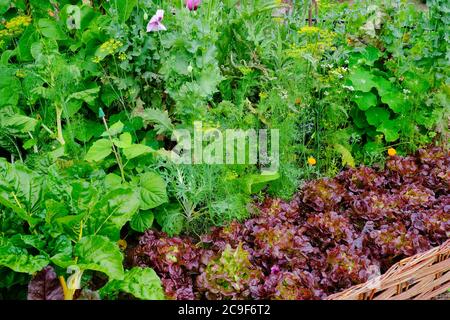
column 392, row 152
column 312, row 161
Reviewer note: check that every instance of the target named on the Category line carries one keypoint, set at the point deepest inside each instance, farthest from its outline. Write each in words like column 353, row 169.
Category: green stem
column 116, row 154
column 60, row 137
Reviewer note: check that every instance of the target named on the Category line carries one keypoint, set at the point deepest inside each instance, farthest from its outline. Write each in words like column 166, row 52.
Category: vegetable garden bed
column 224, row 149
column 334, row 234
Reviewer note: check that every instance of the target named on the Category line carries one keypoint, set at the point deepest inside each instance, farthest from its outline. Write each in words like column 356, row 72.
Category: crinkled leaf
column 88, row 95
column 20, row 190
column 19, row 260
column 111, row 213
column 101, row 254
column 346, row 155
column 21, row 123
column 159, row 119
column 142, row 283
column 45, row 285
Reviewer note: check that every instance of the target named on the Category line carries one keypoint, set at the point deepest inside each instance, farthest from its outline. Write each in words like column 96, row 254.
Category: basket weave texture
column 423, row 276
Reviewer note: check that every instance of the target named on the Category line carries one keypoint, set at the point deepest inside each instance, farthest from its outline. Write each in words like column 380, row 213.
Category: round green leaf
column 365, row 100
column 376, row 115
column 99, row 150
column 142, row 221
column 153, row 190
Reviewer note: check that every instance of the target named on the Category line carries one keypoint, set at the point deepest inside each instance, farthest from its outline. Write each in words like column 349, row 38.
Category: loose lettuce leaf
column 45, row 286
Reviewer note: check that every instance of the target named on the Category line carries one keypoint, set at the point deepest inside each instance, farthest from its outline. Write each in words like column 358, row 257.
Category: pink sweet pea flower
column 155, row 22
column 192, row 4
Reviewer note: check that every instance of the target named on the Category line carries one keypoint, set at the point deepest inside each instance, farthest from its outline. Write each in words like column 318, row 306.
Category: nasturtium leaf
column 377, row 115
column 396, row 101
column 358, row 117
column 362, row 80
column 142, row 283
column 114, row 130
column 136, row 150
column 51, row 29
column 142, row 221
column 371, row 55
column 19, row 260
column 100, row 254
column 99, row 150
column 152, row 191
column 111, row 213
column 45, row 285
column 373, row 147
column 390, row 129
column 382, row 85
column 365, row 100
column 414, row 82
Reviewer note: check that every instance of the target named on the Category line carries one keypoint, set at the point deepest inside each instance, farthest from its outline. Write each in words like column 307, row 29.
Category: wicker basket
column 423, row 276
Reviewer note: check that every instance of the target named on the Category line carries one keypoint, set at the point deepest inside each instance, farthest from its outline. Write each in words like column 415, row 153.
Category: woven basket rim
column 422, row 276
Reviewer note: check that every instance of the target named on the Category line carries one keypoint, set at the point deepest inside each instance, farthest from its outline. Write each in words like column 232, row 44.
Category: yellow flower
column 122, row 56
column 263, row 95
column 15, row 26
column 309, row 30
column 122, row 244
column 110, row 46
column 312, row 161
column 392, row 152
